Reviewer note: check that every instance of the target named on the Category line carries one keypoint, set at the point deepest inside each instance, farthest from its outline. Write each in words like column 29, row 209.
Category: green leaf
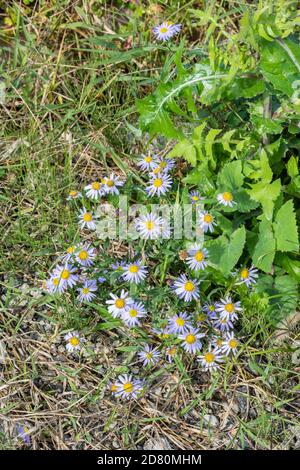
column 244, row 202
column 231, row 177
column 292, row 167
column 285, row 228
column 264, row 250
column 280, row 64
column 266, row 195
column 292, row 266
column 186, row 150
column 224, row 253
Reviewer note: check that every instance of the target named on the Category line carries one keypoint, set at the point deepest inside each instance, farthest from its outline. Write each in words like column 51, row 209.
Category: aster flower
column 23, row 432
column 86, row 219
column 179, row 324
column 112, row 184
column 74, row 195
column 217, row 341
column 86, row 292
column 134, row 272
column 248, row 276
column 113, row 387
column 118, row 265
column 191, row 340
column 222, row 324
column 95, row 190
column 74, row 341
column 228, row 309
column 69, row 254
column 86, row 255
column 159, row 185
column 197, row 258
column 162, row 331
column 166, row 30
column 162, row 165
column 210, row 359
column 128, row 387
column 230, row 344
column 171, row 353
column 55, row 284
column 67, row 274
column 186, row 289
column 135, row 312
column 149, row 226
column 226, row 199
column 210, row 309
column 118, row 305
column 195, row 197
column 101, row 279
column 206, row 221
column 149, row 356
column 147, row 162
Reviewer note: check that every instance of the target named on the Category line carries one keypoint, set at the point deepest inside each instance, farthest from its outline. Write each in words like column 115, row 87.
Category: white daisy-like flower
column 87, row 291
column 207, row 221
column 112, row 184
column 85, row 255
column 195, row 197
column 230, row 344
column 70, row 253
column 127, row 387
column 248, row 276
column 222, row 324
column 55, row 284
column 159, row 185
column 197, row 258
column 74, row 195
column 162, row 165
column 217, row 341
column 166, row 30
column 227, row 309
column 135, row 312
column 171, row 353
column 119, row 304
column 210, row 360
column 86, row 219
column 74, row 341
column 186, row 289
column 179, row 324
column 147, row 162
column 149, row 226
column 67, row 274
column 134, row 272
column 163, row 331
column 95, row 190
column 226, row 199
column 149, row 355
column 191, row 340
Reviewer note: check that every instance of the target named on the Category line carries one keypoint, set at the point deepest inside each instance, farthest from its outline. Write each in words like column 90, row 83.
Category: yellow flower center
column 227, row 196
column 73, row 193
column 133, row 313
column 209, row 357
column 208, row 218
column 150, row 225
column 55, row 281
column 71, row 250
column 148, row 159
column 195, row 198
column 87, row 217
column 110, row 183
column 163, row 30
column 120, row 303
column 83, row 255
column 180, row 322
column 96, row 186
column 157, row 182
column 65, row 274
column 172, row 351
column 189, row 286
column 244, row 273
column 156, row 170
column 211, row 308
column 85, row 290
column 128, row 387
column 233, row 343
column 113, row 388
column 229, row 308
column 199, row 256
column 163, row 164
column 190, row 339
column 149, row 355
column 133, row 269
column 219, row 342
column 74, row 341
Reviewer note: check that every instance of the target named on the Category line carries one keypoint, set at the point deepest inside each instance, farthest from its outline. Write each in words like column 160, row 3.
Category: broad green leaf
column 186, row 150
column 280, row 64
column 244, row 202
column 264, row 250
column 285, row 228
column 209, row 141
column 266, row 195
column 233, row 251
column 231, row 177
column 292, row 167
